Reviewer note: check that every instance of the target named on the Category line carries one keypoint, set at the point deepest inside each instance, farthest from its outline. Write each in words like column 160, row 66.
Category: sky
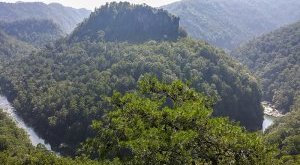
column 91, row 4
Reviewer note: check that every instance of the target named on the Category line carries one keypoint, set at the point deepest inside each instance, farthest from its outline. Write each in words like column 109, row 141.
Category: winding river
column 34, row 138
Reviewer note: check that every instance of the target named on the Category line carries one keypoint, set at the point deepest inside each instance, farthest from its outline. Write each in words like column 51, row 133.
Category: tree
column 170, row 124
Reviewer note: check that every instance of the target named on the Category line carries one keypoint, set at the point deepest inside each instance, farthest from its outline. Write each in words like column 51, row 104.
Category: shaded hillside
column 227, row 23
column 66, row 17
column 125, row 22
column 11, row 50
column 275, row 58
column 32, row 31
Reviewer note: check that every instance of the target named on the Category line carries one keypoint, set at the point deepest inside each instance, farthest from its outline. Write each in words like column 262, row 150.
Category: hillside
column 275, row 59
column 66, row 17
column 65, row 86
column 228, row 23
column 32, row 31
column 286, row 134
column 15, row 147
column 125, row 22
column 11, row 47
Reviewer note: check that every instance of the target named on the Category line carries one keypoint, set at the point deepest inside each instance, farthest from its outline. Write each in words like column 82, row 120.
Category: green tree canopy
column 170, row 124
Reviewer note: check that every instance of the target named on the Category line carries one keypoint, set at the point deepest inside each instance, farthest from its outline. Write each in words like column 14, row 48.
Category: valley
column 33, row 136
column 35, row 139
column 193, row 82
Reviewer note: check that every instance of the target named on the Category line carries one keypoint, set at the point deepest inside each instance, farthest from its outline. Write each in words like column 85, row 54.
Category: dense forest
column 158, row 124
column 62, row 88
column 11, row 48
column 128, row 86
column 275, row 58
column 171, row 124
column 285, row 134
column 66, row 17
column 16, row 149
column 228, row 23
column 125, row 22
column 33, row 31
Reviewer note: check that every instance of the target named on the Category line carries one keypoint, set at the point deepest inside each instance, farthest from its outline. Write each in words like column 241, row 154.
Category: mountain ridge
column 66, row 17
column 37, row 32
column 226, row 24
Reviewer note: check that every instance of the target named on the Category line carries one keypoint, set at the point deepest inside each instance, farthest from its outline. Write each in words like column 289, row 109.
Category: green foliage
column 32, row 31
column 125, row 22
column 11, row 50
column 227, row 23
column 285, row 133
column 63, row 88
column 171, row 124
column 66, row 17
column 275, row 58
column 16, row 149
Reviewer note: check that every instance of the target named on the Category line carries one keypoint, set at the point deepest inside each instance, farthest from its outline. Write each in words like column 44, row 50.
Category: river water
column 34, row 138
column 268, row 121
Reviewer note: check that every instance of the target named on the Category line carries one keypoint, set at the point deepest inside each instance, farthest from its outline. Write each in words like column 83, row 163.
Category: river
column 270, row 114
column 268, row 121
column 34, row 138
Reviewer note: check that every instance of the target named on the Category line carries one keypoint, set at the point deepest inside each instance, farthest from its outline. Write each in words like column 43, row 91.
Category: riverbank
column 270, row 110
column 270, row 114
column 34, row 138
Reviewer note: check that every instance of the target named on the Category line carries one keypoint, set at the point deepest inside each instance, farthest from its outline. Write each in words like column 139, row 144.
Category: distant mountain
column 33, row 31
column 227, row 23
column 275, row 58
column 66, row 17
column 124, row 22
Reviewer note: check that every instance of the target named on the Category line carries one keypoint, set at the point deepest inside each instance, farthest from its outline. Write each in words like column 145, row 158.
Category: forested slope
column 65, row 86
column 285, row 133
column 15, row 148
column 33, row 31
column 125, row 22
column 169, row 123
column 11, row 47
column 275, row 58
column 66, row 17
column 228, row 23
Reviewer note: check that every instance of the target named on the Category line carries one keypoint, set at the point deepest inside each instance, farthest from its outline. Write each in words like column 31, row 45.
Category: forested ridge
column 227, row 23
column 275, row 59
column 101, row 96
column 66, row 17
column 33, row 31
column 63, row 87
column 126, row 22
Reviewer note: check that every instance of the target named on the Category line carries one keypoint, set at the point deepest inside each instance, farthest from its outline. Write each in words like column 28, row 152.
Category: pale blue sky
column 91, row 4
